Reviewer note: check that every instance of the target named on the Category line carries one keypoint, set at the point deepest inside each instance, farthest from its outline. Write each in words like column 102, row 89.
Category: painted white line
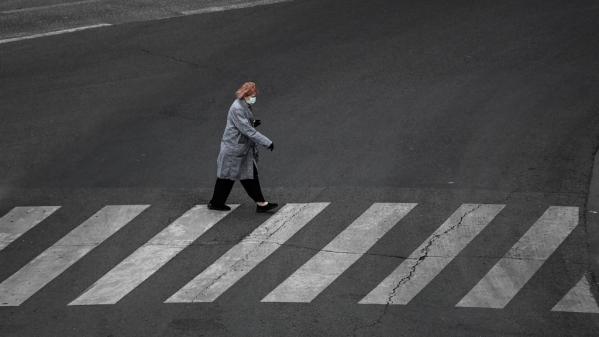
column 37, row 8
column 247, row 254
column 521, row 262
column 578, row 299
column 432, row 256
column 56, row 32
column 76, row 29
column 150, row 257
column 64, row 253
column 345, row 249
column 232, row 7
column 21, row 219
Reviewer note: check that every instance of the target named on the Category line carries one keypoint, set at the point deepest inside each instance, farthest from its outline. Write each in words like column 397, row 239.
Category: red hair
column 247, row 89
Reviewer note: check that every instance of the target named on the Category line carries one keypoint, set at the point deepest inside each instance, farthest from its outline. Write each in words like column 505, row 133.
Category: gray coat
column 238, row 147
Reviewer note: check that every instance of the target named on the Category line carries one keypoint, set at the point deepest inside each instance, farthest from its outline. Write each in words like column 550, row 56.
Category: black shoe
column 267, row 207
column 222, row 207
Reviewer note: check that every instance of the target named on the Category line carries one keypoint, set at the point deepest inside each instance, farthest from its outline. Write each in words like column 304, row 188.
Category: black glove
column 271, row 146
column 256, row 122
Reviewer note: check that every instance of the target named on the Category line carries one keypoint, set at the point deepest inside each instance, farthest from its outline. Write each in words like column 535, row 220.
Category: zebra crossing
column 320, row 271
column 242, row 258
column 21, row 219
column 427, row 261
column 146, row 260
column 521, row 262
column 64, row 253
column 495, row 290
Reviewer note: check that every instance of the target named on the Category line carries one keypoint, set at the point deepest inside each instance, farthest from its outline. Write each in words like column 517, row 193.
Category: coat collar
column 244, row 104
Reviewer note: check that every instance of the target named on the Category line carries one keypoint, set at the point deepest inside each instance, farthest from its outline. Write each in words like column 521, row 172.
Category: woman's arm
column 244, row 125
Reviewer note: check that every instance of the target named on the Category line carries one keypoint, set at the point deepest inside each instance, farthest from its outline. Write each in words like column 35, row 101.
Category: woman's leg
column 252, row 187
column 222, row 188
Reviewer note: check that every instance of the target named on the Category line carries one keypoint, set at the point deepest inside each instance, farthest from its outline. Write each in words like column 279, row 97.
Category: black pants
column 223, row 187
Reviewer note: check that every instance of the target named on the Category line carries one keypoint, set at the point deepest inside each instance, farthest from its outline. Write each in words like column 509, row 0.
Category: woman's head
column 247, row 91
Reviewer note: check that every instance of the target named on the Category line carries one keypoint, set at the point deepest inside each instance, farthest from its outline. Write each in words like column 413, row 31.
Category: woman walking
column 238, row 156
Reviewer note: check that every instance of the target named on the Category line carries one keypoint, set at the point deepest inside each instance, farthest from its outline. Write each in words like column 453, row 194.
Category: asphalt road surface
column 432, row 160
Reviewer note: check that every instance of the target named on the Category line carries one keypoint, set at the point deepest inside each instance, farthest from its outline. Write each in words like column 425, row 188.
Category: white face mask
column 251, row 100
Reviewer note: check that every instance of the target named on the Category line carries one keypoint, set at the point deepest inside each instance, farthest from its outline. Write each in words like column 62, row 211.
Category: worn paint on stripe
column 21, row 219
column 246, row 255
column 345, row 249
column 38, row 8
column 432, row 256
column 56, row 32
column 232, row 7
column 150, row 257
column 578, row 299
column 521, row 262
column 64, row 253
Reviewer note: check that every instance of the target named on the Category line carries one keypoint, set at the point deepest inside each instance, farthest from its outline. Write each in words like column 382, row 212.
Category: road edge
column 591, row 219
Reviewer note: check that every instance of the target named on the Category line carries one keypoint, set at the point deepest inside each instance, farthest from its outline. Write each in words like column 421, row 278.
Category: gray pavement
column 440, row 104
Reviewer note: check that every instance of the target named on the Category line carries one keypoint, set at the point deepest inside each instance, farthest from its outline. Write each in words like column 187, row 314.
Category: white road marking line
column 231, row 7
column 21, row 219
column 56, row 32
column 150, row 257
column 64, row 253
column 247, row 254
column 345, row 249
column 37, row 8
column 578, row 299
column 76, row 29
column 521, row 262
column 432, row 256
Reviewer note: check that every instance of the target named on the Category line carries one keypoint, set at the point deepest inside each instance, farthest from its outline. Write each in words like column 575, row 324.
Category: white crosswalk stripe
column 21, row 219
column 64, row 253
column 243, row 257
column 150, row 257
column 427, row 261
column 521, row 262
column 578, row 299
column 504, row 280
column 320, row 271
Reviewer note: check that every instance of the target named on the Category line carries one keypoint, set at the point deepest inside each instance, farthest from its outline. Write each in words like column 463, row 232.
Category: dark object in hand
column 256, row 122
column 271, row 146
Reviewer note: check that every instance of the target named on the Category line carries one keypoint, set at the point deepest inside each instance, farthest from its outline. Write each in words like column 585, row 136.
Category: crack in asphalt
column 425, row 250
column 420, row 259
column 423, row 255
column 291, row 245
column 172, row 58
column 239, row 262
